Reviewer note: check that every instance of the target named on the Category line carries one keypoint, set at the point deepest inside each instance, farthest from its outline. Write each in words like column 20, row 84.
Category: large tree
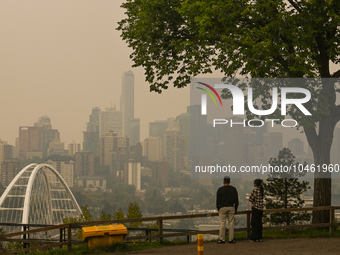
column 174, row 40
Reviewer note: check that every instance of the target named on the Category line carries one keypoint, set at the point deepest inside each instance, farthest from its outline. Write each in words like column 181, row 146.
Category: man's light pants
column 224, row 213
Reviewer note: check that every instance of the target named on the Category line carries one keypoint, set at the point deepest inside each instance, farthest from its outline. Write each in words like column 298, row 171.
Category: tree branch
column 295, row 6
column 311, row 136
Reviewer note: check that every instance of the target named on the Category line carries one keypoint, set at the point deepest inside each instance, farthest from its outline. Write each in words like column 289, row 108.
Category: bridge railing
column 66, row 237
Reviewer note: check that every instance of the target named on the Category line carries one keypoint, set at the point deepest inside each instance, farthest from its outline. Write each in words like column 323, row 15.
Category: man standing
column 226, row 204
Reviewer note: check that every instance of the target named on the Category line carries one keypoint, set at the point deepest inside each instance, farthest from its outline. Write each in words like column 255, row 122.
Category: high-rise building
column 56, row 147
column 46, row 133
column 29, row 140
column 91, row 135
column 9, row 169
column 84, row 164
column 128, row 100
column 136, row 152
column 184, row 127
column 296, row 146
column 198, row 130
column 173, row 147
column 113, row 152
column 120, row 155
column 73, row 148
column 110, row 120
column 234, row 138
column 134, row 131
column 133, row 176
column 152, row 148
column 64, row 166
column 106, row 144
column 6, row 151
column 157, row 128
column 160, row 173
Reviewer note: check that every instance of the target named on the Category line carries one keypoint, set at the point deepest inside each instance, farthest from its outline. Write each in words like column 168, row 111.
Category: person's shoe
column 220, row 242
column 260, row 240
column 232, row 241
column 250, row 240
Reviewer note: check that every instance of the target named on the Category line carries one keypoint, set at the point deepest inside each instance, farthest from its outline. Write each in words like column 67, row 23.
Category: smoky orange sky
column 61, row 58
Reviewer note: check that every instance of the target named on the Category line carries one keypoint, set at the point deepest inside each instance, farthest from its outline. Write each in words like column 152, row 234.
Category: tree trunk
column 321, row 146
column 322, row 187
column 322, row 181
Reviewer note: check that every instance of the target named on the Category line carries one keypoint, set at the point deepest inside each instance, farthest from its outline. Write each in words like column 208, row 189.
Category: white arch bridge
column 37, row 195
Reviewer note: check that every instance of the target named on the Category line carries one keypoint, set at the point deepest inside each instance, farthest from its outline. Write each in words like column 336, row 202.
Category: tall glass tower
column 130, row 124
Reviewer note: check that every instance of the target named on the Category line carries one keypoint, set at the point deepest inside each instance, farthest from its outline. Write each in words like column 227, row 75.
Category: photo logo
column 204, row 97
column 238, row 99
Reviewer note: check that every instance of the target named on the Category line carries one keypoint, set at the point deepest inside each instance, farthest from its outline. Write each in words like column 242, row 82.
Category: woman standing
column 256, row 199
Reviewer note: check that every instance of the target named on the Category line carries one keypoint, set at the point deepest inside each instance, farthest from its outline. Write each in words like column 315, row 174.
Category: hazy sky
column 61, row 58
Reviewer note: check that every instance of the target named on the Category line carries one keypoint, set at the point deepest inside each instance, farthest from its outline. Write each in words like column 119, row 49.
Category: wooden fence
column 66, row 237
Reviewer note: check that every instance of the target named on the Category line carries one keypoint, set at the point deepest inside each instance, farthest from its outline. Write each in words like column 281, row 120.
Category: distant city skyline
column 63, row 58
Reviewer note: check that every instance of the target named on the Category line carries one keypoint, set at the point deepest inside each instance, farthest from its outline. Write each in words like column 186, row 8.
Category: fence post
column 69, row 238
column 331, row 221
column 61, row 236
column 248, row 225
column 200, row 244
column 160, row 230
column 26, row 236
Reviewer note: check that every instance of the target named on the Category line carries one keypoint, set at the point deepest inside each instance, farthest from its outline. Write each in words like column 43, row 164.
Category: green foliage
column 285, row 190
column 105, row 216
column 175, row 40
column 84, row 217
column 133, row 213
column 3, row 247
column 119, row 214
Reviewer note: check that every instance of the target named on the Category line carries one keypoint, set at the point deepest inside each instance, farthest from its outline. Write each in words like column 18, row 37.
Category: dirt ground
column 301, row 246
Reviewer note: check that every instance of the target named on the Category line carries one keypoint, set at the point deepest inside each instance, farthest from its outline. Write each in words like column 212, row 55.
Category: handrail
column 160, row 235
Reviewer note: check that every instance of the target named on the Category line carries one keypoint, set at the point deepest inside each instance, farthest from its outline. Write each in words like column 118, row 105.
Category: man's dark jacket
column 227, row 196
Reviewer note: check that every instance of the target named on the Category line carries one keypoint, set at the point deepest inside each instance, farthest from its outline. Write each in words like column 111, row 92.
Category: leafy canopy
column 174, row 40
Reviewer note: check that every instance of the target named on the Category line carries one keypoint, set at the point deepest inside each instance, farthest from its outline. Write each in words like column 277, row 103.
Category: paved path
column 301, row 246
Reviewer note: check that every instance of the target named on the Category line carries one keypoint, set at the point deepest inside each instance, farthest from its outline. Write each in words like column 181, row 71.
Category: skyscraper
column 9, row 169
column 84, row 164
column 152, row 148
column 134, row 131
column 28, row 140
column 110, row 120
column 133, row 176
column 131, row 126
column 46, row 133
column 157, row 128
column 6, row 151
column 91, row 135
column 128, row 99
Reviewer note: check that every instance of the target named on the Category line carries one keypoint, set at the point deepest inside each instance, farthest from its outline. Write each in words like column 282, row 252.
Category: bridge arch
column 38, row 195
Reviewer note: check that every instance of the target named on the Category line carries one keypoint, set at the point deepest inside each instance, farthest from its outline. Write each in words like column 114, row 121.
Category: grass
column 124, row 247
column 117, row 247
column 293, row 233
